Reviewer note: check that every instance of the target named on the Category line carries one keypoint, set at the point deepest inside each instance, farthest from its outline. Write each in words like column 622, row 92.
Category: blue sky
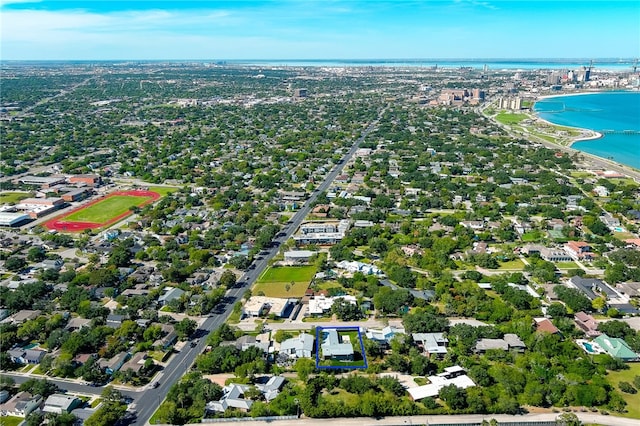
column 326, row 29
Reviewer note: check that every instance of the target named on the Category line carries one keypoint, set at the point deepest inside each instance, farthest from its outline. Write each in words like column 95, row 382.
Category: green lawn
column 567, row 265
column 13, row 197
column 163, row 190
column 288, row 273
column 10, row 421
column 106, row 209
column 511, row 118
column 279, row 289
column 290, row 281
column 531, row 236
column 633, row 401
column 512, row 264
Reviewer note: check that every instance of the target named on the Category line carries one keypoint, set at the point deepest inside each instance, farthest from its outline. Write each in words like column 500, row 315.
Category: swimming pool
column 589, row 348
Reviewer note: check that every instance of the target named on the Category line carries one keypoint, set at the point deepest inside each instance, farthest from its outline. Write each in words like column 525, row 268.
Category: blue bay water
column 492, row 64
column 604, row 111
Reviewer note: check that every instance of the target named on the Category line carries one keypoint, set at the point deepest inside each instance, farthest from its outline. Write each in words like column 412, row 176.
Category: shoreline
column 587, row 134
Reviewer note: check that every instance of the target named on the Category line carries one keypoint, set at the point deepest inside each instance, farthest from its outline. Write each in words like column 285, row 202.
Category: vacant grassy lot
column 511, row 118
column 291, row 281
column 633, row 401
column 515, row 264
column 288, row 273
column 107, row 209
column 13, row 197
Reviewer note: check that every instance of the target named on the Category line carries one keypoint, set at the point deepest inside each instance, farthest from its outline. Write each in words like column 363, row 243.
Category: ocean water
column 478, row 63
column 610, row 113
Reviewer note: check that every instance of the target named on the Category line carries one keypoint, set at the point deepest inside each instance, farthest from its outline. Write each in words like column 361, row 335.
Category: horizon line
column 456, row 59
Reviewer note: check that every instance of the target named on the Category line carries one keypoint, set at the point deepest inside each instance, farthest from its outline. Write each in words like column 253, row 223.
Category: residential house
column 384, row 335
column 593, row 287
column 170, row 293
column 21, row 405
column 114, row 364
column 455, row 375
column 247, row 341
column 554, row 255
column 59, row 403
column 509, row 342
column 81, row 359
column 586, row 323
column 579, row 250
column 300, row 346
column 336, row 347
column 115, row 321
column 617, row 348
column 232, row 397
column 630, row 289
column 22, row 316
column 26, row 356
column 136, row 363
column 271, row 388
column 431, row 343
column 321, row 304
column 169, row 337
column 546, row 326
column 77, row 323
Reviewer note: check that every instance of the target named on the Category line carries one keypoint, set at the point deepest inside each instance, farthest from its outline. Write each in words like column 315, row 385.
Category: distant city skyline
column 330, row 29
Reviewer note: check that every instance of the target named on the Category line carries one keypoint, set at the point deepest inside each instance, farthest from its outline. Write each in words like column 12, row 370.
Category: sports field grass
column 106, row 209
column 274, row 282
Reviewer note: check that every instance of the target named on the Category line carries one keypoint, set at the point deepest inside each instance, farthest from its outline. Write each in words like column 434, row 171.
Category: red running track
column 59, row 224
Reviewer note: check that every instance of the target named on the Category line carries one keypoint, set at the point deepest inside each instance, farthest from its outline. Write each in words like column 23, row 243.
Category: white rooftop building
column 319, row 305
column 451, row 376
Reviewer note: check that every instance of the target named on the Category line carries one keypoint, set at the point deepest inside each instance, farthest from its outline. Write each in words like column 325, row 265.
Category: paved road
column 149, row 401
column 466, row 419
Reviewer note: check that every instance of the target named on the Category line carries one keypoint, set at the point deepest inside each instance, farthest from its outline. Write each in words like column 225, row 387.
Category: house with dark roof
column 26, row 356
column 21, row 405
column 593, row 287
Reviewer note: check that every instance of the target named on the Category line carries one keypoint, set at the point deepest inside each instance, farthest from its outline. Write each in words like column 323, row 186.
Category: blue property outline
column 340, row 367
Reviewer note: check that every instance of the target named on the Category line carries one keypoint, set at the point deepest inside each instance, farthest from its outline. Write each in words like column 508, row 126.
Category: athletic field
column 102, row 212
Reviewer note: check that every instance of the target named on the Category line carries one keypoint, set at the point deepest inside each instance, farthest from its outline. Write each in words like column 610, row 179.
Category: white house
column 300, row 346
